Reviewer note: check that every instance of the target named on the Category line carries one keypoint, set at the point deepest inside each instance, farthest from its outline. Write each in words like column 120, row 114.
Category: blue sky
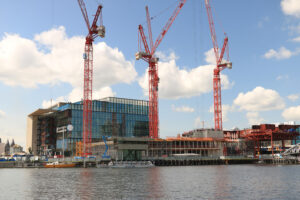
column 41, row 46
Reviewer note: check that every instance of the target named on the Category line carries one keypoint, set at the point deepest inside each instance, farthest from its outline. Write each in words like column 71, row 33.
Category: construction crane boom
column 144, row 39
column 94, row 31
column 220, row 65
column 148, row 56
column 168, row 25
column 84, row 13
column 149, row 28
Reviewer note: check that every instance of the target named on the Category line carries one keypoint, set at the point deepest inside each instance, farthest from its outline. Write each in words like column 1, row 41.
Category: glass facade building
column 114, row 117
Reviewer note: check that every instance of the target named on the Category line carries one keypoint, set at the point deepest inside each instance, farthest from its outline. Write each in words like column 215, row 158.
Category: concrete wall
column 208, row 133
column 31, row 134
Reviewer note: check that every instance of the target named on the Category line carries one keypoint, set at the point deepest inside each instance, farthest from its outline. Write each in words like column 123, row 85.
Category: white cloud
column 163, row 57
column 297, row 39
column 261, row 23
column 292, row 113
column 2, row 114
column 77, row 95
column 48, row 104
column 295, row 29
column 178, row 83
column 291, row 7
column 15, row 134
column 259, row 99
column 282, row 53
column 293, row 97
column 183, row 109
column 225, row 110
column 210, row 57
column 281, row 77
column 254, row 118
column 198, row 123
column 53, row 57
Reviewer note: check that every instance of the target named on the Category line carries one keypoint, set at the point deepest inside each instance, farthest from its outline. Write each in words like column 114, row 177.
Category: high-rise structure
column 2, row 148
column 115, row 117
column 7, row 146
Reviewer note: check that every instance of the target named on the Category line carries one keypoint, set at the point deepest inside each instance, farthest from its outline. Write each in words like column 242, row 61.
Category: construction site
column 128, row 129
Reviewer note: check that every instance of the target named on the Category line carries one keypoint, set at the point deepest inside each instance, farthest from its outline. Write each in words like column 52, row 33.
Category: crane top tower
column 220, row 65
column 148, row 55
column 93, row 31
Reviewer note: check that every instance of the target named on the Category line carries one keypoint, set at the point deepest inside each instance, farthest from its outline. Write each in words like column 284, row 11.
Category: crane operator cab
column 101, row 31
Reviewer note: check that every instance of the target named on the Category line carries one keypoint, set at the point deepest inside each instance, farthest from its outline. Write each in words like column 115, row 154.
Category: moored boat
column 130, row 164
column 59, row 165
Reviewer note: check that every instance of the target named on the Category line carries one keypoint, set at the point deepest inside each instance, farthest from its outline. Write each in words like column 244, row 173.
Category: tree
column 30, row 150
column 12, row 143
column 7, row 147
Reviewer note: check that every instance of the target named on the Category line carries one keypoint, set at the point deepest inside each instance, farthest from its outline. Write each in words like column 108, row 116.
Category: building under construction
column 113, row 117
column 124, row 123
column 201, row 143
column 264, row 139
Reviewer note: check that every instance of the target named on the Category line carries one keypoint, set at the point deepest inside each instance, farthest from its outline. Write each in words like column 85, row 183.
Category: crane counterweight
column 101, row 31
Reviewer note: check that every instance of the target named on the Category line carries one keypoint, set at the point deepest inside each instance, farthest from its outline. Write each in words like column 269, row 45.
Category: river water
column 194, row 182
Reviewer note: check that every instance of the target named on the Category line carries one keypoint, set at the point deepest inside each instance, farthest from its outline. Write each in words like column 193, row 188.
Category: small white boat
column 130, row 164
column 59, row 165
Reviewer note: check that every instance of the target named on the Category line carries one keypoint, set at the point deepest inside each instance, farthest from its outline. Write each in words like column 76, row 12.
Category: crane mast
column 93, row 32
column 148, row 56
column 220, row 65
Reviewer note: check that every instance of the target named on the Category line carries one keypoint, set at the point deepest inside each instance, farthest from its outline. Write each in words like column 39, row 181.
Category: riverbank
column 169, row 161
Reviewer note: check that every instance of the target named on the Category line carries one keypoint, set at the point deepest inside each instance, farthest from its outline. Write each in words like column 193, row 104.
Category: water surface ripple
column 195, row 182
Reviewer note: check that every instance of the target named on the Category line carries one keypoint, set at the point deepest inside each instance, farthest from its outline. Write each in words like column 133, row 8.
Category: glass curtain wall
column 111, row 117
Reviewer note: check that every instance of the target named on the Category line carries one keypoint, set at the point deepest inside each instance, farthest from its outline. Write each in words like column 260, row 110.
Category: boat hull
column 61, row 166
column 130, row 164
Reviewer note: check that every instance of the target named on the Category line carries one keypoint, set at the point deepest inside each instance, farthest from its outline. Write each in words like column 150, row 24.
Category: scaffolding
column 179, row 146
column 79, row 148
column 270, row 133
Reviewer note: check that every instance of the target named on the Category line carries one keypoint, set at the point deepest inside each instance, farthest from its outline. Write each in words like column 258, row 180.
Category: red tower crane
column 220, row 65
column 148, row 56
column 93, row 32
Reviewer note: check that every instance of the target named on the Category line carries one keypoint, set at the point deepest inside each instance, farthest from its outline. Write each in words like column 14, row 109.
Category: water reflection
column 198, row 182
column 156, row 186
column 222, row 181
column 85, row 181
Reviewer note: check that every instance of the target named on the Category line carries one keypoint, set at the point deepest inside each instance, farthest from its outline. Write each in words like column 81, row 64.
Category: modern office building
column 114, row 117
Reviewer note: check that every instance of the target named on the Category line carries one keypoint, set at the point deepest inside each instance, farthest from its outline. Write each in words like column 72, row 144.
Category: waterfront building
column 15, row 149
column 263, row 139
column 199, row 144
column 112, row 117
column 2, row 148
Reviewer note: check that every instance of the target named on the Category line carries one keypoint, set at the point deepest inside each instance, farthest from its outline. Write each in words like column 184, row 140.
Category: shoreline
column 158, row 162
